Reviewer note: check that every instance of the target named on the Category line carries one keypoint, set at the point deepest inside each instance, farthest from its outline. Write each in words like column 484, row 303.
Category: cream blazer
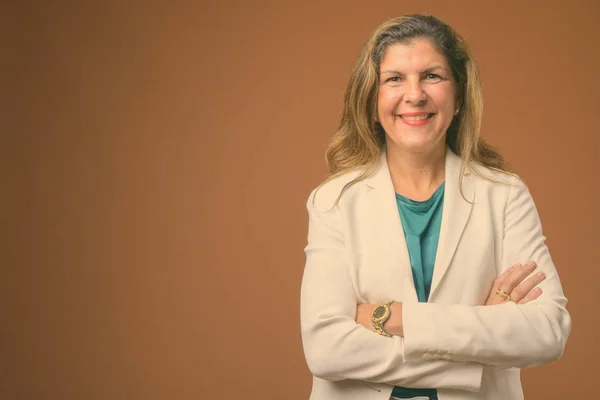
column 356, row 253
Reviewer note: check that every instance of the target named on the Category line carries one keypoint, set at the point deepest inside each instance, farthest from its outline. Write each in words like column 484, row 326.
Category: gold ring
column 503, row 294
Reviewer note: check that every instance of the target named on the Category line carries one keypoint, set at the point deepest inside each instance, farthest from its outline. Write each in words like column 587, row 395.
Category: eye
column 433, row 77
column 393, row 79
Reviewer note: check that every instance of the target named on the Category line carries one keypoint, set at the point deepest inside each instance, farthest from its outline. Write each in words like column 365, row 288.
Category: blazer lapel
column 455, row 215
column 386, row 216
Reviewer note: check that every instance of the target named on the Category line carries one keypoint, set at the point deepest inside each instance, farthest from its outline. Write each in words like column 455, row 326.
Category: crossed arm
column 336, row 347
column 512, row 281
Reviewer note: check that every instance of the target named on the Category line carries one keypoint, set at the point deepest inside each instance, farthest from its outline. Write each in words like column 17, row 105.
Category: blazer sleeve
column 505, row 335
column 338, row 348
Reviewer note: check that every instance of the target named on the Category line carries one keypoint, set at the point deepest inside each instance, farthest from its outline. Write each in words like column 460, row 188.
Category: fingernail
column 541, row 274
column 538, row 290
column 530, row 264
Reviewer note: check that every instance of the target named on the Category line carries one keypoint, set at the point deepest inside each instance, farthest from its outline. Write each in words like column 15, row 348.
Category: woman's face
column 417, row 96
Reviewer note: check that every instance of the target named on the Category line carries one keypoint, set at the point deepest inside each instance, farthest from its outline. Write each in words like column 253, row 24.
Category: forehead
column 416, row 54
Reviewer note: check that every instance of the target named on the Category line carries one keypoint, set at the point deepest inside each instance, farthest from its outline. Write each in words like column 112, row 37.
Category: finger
column 493, row 297
column 527, row 286
column 517, row 276
column 503, row 276
column 534, row 294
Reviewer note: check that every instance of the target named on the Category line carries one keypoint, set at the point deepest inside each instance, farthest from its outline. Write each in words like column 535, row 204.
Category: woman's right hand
column 512, row 283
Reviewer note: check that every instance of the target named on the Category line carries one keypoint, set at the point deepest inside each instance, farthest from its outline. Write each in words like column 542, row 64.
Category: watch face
column 379, row 312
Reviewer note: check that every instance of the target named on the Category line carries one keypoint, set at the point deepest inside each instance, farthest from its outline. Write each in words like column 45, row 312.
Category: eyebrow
column 430, row 69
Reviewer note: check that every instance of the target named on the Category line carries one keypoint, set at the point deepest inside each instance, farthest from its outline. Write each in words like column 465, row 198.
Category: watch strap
column 378, row 325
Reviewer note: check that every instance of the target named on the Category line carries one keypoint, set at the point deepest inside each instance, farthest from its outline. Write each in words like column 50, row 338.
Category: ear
column 457, row 107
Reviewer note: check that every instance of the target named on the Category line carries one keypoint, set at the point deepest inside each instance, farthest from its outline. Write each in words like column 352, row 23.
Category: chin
column 415, row 146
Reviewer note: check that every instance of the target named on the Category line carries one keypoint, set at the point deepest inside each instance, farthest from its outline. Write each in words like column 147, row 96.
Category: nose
column 414, row 92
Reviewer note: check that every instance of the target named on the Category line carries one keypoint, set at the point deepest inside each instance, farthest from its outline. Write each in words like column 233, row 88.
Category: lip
column 416, row 114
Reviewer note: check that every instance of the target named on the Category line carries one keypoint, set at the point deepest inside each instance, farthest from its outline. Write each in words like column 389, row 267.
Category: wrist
column 394, row 325
column 380, row 315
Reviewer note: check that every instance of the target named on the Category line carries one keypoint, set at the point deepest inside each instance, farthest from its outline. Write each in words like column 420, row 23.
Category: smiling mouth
column 416, row 117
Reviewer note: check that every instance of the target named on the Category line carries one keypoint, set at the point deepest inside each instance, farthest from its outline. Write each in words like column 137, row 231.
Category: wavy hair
column 359, row 141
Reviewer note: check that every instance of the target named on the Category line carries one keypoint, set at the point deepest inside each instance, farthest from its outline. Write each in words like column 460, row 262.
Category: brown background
column 157, row 157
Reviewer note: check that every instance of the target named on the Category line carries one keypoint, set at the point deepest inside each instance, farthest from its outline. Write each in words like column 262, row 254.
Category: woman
column 427, row 275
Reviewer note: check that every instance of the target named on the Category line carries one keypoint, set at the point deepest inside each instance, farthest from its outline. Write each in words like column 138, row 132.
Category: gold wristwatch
column 380, row 315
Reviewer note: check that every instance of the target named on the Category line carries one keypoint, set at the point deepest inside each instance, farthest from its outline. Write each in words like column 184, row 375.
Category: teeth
column 415, row 118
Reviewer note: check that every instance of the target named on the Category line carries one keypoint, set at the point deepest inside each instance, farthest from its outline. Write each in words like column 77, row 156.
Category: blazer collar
column 455, row 214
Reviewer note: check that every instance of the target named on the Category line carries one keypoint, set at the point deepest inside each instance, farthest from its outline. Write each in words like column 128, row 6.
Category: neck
column 417, row 175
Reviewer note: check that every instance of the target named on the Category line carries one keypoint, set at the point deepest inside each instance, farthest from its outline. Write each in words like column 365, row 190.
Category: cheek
column 444, row 102
column 442, row 94
column 450, row 99
column 386, row 99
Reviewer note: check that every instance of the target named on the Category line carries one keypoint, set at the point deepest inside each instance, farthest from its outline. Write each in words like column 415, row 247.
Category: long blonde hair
column 359, row 141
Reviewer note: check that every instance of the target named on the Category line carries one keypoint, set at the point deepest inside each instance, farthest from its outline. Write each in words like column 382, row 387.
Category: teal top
column 421, row 221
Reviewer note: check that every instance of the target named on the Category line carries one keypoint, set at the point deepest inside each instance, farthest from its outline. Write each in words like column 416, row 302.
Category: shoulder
column 494, row 178
column 324, row 196
column 501, row 189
